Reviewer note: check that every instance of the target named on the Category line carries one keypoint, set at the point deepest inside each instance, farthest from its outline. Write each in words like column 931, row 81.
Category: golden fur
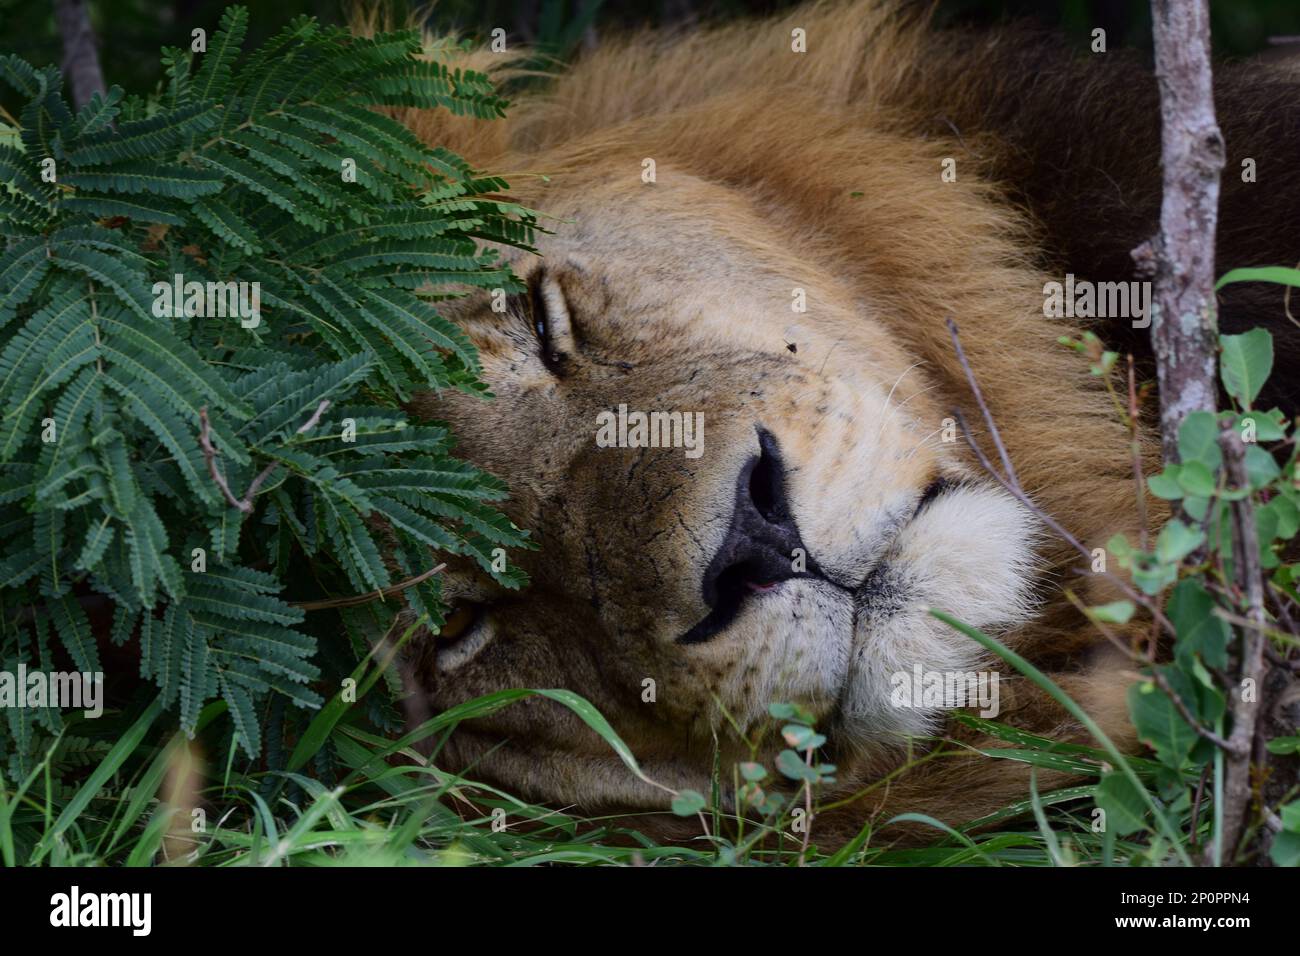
column 679, row 293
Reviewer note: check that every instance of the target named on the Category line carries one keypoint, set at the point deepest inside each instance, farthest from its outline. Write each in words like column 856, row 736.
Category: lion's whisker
column 886, row 413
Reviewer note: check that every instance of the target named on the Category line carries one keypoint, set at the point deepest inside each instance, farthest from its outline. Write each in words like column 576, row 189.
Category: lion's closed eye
column 551, row 321
column 460, row 620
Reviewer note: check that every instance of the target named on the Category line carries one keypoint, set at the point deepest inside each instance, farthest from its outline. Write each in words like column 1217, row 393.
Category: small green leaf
column 1117, row 612
column 1122, row 804
column 1154, row 576
column 792, row 765
column 1158, row 722
column 1287, row 514
column 1245, row 364
column 687, row 803
column 1267, row 426
column 1285, row 850
column 1196, row 506
column 1165, row 485
column 1176, row 541
column 790, row 712
column 1283, row 746
column 1195, row 479
column 1198, row 440
column 802, row 738
column 1199, row 629
column 1118, row 546
column 1261, row 467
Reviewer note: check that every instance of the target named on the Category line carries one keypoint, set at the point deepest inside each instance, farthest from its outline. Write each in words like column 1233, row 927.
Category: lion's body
column 778, row 171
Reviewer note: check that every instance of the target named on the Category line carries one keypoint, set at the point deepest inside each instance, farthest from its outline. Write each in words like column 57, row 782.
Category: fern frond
column 99, row 113
column 73, row 628
column 143, row 138
column 242, row 713
column 159, row 179
column 146, row 208
column 213, row 79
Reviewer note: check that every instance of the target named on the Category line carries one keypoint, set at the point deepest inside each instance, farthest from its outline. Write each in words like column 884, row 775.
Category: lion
column 767, row 244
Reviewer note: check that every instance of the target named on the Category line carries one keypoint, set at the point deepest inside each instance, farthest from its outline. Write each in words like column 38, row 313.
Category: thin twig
column 1245, row 559
column 379, row 595
column 979, row 400
column 266, row 472
column 1012, row 485
column 245, row 504
column 210, row 453
column 1280, row 601
column 1136, row 446
column 1239, row 621
column 1275, row 658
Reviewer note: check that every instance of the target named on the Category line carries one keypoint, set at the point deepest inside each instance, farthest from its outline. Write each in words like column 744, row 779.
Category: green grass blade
column 1281, row 275
column 1048, row 686
column 113, row 760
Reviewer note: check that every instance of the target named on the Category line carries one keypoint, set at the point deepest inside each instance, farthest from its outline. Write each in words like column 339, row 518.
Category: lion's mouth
column 939, row 486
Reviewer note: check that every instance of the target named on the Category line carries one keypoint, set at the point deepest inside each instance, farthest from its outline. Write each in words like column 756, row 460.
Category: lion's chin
column 971, row 554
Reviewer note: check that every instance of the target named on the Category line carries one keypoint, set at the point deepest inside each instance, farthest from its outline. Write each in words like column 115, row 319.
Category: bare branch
column 1245, row 560
column 210, row 454
column 380, row 595
column 312, row 422
column 984, row 409
column 1183, row 332
column 265, row 473
column 245, row 504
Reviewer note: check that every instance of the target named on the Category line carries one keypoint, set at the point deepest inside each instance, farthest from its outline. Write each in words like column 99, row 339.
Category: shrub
column 191, row 462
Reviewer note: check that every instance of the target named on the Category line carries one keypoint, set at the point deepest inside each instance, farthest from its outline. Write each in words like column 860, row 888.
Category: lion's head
column 723, row 407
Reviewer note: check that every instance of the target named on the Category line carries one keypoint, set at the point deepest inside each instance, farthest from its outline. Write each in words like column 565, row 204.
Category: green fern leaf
column 99, row 113
column 195, row 669
column 264, row 183
column 73, row 628
column 143, row 138
column 98, row 538
column 140, row 176
column 145, row 209
column 217, row 215
column 243, row 714
column 213, row 78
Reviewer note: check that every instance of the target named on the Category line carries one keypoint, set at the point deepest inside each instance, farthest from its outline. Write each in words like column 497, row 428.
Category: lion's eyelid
column 551, row 319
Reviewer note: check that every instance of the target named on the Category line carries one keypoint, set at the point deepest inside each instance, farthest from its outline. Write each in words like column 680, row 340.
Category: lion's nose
column 760, row 547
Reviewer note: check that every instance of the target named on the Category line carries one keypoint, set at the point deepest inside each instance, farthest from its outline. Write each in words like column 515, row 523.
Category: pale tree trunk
column 1183, row 330
column 80, row 56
